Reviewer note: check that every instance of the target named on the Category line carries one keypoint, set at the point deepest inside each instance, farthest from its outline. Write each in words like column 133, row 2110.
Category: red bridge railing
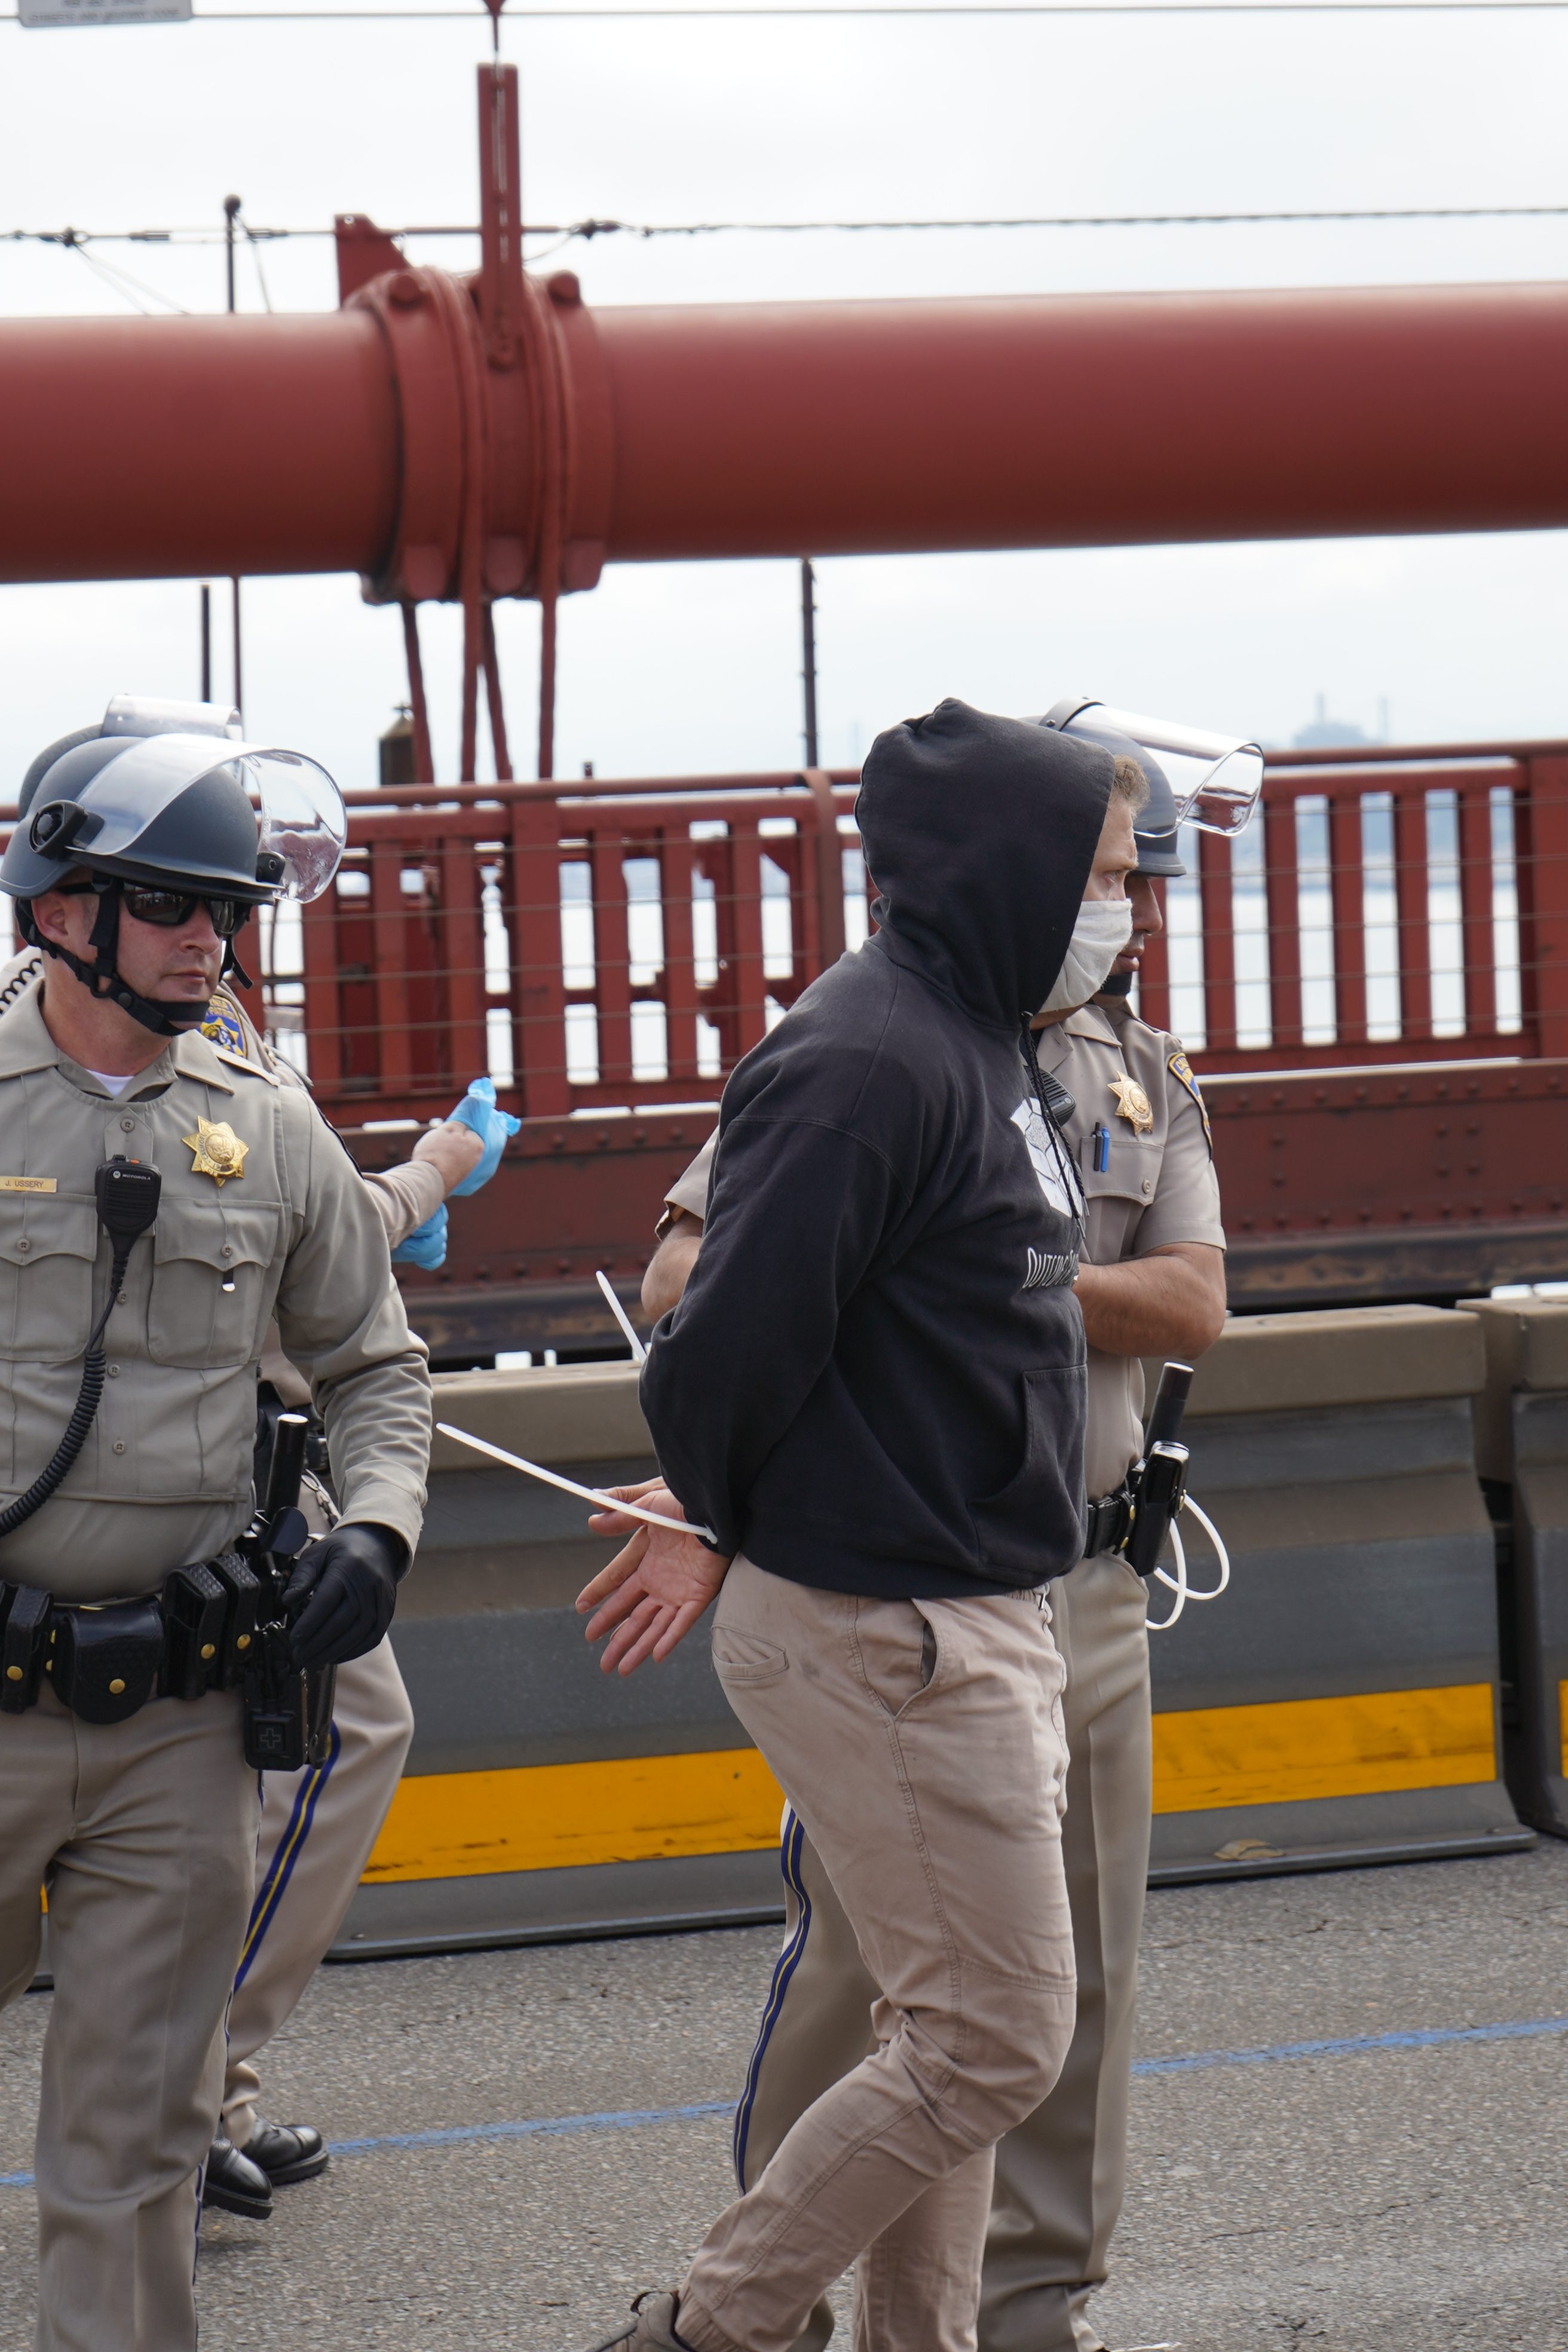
column 1393, row 906
column 610, row 945
column 588, row 947
column 622, row 944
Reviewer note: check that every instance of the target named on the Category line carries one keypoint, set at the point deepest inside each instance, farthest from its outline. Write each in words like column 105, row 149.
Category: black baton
column 1159, row 1482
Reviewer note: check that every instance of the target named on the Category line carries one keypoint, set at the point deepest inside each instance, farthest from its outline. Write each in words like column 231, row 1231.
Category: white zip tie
column 1178, row 1583
column 639, row 1353
column 594, row 1495
column 1213, row 1534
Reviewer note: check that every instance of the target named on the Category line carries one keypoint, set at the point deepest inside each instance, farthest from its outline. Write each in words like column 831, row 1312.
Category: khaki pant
column 922, row 1744
column 317, row 1831
column 1060, row 2173
column 144, row 1833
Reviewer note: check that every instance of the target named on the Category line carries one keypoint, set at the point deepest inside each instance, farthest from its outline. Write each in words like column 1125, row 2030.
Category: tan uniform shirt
column 164, row 1477
column 1158, row 1187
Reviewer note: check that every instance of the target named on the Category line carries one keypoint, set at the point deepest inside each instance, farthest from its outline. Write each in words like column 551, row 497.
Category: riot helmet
column 167, row 797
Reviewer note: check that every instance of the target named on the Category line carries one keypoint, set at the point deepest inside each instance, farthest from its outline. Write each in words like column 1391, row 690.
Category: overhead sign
column 103, row 12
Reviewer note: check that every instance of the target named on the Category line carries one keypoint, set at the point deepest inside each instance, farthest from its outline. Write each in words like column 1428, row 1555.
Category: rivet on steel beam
column 406, row 290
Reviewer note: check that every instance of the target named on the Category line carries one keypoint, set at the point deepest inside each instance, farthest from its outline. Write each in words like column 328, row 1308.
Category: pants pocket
column 746, row 1659
column 897, row 1653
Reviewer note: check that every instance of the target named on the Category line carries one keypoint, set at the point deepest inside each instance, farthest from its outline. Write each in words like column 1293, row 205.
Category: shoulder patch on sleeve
column 224, row 1028
column 1181, row 1069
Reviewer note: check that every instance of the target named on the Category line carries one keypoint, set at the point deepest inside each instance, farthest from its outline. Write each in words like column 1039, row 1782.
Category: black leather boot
column 234, row 2184
column 286, row 2152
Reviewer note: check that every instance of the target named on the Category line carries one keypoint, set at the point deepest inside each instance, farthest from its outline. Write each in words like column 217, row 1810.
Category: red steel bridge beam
column 401, row 438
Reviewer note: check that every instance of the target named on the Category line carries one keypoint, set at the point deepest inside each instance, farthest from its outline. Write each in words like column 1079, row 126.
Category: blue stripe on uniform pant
column 791, row 1841
column 280, row 1869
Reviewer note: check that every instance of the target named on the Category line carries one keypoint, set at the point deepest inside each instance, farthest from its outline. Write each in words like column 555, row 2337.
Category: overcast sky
column 673, row 669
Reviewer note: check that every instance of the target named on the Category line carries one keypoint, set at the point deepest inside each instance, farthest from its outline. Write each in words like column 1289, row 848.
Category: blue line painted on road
column 633, row 2118
column 1357, row 2046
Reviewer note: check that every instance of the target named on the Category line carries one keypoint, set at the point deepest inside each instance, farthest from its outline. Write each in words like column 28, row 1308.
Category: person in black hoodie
column 870, row 1401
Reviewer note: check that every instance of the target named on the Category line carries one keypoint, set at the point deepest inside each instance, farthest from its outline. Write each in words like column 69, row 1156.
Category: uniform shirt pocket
column 1116, row 1195
column 210, row 1294
column 47, row 1248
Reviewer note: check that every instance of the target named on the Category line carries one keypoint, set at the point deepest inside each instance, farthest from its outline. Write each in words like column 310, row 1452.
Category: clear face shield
column 1216, row 778
column 303, row 817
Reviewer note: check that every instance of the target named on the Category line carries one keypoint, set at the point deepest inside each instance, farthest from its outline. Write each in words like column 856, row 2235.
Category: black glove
column 343, row 1592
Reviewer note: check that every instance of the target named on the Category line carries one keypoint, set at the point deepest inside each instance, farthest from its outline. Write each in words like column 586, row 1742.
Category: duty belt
column 1110, row 1523
column 106, row 1660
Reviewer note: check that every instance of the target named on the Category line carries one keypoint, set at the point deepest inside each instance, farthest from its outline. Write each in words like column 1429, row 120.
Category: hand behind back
column 654, row 1591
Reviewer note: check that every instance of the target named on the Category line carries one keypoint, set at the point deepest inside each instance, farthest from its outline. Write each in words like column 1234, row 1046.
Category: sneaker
column 650, row 2328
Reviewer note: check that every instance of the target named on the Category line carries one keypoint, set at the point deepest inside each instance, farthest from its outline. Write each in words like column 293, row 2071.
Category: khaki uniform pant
column 923, row 1745
column 317, row 1831
column 1060, row 2173
column 145, row 1834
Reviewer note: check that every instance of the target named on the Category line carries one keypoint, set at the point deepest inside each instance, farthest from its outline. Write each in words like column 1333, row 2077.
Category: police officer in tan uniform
column 319, row 1824
column 140, row 860
column 1151, row 1283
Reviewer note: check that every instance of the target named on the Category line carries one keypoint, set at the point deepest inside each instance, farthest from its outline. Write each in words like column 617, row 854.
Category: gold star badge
column 219, row 1152
column 1132, row 1103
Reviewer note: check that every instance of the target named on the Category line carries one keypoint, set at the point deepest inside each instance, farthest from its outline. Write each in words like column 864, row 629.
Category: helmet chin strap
column 103, row 979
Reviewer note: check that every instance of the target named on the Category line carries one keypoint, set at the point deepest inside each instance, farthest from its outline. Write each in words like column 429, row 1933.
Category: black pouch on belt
column 104, row 1661
column 242, row 1588
column 195, row 1606
column 24, row 1644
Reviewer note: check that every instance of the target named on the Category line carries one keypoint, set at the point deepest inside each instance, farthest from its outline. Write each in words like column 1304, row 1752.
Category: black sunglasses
column 167, row 910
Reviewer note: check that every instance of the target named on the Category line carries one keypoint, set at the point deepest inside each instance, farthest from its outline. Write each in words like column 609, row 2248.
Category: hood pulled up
column 980, row 833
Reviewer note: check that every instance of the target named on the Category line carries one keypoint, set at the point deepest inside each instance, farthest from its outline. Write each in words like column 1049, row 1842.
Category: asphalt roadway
column 526, row 2137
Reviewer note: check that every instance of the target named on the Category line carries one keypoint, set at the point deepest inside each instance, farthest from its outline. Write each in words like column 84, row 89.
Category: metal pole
column 808, row 646
column 230, row 216
column 206, row 643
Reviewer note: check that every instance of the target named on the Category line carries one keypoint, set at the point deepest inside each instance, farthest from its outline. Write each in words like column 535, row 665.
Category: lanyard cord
column 1056, row 1104
column 84, row 1412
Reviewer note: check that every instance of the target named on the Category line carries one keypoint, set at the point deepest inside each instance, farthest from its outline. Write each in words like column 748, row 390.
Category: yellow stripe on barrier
column 1295, row 1748
column 1562, row 1723
column 631, row 1809
column 563, row 1816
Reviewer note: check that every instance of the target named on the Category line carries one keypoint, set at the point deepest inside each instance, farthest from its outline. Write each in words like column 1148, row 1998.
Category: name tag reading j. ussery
column 27, row 1183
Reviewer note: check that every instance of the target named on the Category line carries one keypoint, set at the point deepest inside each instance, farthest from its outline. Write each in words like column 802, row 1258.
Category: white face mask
column 1102, row 929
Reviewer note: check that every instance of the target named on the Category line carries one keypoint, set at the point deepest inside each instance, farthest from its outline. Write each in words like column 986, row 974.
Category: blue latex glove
column 478, row 1109
column 426, row 1244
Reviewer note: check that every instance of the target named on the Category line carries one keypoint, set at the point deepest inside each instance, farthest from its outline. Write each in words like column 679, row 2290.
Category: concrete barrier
column 1339, row 1704
column 1522, row 1452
